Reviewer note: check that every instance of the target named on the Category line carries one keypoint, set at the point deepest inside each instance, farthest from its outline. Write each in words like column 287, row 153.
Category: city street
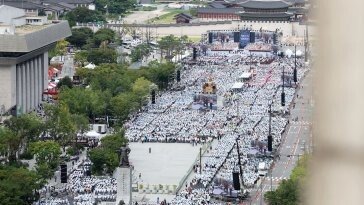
column 297, row 140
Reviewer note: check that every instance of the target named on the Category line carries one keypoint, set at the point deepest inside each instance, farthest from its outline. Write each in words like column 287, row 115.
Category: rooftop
column 265, row 4
column 25, row 29
column 219, row 11
column 30, row 37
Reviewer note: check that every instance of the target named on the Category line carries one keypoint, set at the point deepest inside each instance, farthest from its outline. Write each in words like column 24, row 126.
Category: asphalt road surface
column 297, row 141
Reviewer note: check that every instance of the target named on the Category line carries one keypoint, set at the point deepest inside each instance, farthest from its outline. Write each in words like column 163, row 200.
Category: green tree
column 102, row 35
column 9, row 143
column 99, row 56
column 59, row 123
column 141, row 88
column 123, row 104
column 81, row 57
column 83, row 15
column 80, row 36
column 22, row 129
column 81, row 122
column 65, row 82
column 160, row 73
column 114, row 141
column 17, row 185
column 60, row 49
column 83, row 101
column 101, row 158
column 139, row 52
column 46, row 152
column 167, row 45
column 106, row 155
column 289, row 191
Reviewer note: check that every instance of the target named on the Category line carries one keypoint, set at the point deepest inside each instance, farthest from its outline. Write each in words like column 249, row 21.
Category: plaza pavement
column 166, row 164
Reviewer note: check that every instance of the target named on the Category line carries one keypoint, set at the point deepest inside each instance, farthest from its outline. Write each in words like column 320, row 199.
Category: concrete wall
column 23, row 84
column 8, row 86
column 11, row 15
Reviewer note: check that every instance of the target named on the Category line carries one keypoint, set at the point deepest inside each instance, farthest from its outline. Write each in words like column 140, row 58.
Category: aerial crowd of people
column 242, row 118
column 243, row 115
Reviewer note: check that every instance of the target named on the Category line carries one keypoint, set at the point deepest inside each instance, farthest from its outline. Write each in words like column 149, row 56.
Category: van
column 262, row 169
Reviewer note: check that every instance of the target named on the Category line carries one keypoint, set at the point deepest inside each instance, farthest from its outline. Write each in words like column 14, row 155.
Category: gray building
column 24, row 61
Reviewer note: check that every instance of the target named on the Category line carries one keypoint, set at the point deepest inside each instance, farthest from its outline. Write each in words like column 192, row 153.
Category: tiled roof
column 219, row 11
column 265, row 4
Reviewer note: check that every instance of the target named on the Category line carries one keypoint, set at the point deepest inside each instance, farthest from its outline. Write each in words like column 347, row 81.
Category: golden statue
column 209, row 87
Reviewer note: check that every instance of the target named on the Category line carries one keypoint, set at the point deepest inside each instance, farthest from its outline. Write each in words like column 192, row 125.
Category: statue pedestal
column 123, row 177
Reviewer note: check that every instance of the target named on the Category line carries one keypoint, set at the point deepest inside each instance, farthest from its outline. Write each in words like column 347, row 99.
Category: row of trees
column 119, row 7
column 85, row 38
column 26, row 136
column 84, row 15
column 290, row 192
column 105, row 158
column 173, row 46
column 103, row 7
column 94, row 45
column 114, row 90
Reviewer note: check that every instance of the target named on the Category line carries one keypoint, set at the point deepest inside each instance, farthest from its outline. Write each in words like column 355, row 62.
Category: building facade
column 253, row 10
column 24, row 61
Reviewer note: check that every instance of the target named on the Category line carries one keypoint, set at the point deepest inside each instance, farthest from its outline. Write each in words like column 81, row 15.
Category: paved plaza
column 167, row 163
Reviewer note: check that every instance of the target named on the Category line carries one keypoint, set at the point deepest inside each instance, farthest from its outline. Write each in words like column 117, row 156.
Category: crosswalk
column 276, row 179
column 300, row 123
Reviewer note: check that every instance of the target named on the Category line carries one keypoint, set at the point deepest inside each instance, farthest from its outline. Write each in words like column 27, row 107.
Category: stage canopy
column 245, row 75
column 237, row 85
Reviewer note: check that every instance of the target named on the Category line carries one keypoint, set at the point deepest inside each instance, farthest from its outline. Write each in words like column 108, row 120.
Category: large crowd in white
column 242, row 114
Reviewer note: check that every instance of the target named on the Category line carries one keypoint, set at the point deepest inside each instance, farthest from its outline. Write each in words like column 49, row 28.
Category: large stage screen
column 204, row 101
column 264, row 37
column 222, row 36
column 244, row 38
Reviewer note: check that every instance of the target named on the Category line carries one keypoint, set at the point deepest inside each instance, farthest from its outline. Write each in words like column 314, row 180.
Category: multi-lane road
column 297, row 140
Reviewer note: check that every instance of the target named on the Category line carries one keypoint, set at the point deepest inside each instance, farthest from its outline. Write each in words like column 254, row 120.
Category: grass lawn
column 168, row 17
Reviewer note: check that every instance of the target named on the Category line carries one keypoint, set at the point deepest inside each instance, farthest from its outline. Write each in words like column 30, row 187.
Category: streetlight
column 270, row 138
column 283, row 95
column 295, row 65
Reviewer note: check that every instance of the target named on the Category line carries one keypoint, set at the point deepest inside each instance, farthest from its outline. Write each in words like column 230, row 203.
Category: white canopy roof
column 93, row 133
column 289, row 53
column 90, row 66
column 237, row 85
column 299, row 53
column 246, row 75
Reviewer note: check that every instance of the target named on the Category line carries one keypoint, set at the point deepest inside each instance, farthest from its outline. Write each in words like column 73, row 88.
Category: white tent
column 93, row 134
column 289, row 53
column 237, row 85
column 90, row 66
column 299, row 53
column 246, row 75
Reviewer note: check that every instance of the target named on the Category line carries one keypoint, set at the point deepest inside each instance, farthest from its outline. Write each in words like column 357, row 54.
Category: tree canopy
column 80, row 36
column 289, row 192
column 139, row 52
column 17, row 185
column 106, row 157
column 83, row 15
column 115, row 6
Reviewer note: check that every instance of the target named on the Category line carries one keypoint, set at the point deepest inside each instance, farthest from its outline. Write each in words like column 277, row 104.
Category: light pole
column 239, row 164
column 295, row 65
column 283, row 95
